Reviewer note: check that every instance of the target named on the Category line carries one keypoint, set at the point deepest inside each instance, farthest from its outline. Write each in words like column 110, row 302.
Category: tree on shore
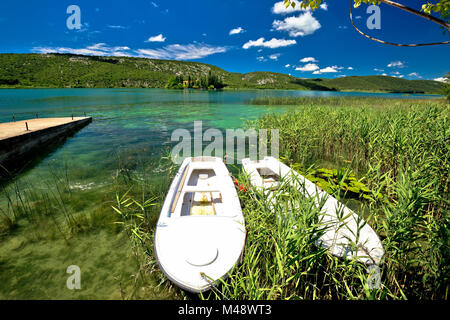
column 211, row 81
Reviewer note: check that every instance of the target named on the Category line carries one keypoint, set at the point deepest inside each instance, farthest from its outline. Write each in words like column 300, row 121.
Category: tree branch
column 420, row 14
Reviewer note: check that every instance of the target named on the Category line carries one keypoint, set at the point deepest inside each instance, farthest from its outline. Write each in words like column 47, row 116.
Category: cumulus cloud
column 308, row 67
column 441, row 79
column 287, row 66
column 330, row 69
column 280, row 8
column 158, row 38
column 236, row 31
column 414, row 74
column 274, row 56
column 273, row 43
column 303, row 25
column 308, row 59
column 396, row 64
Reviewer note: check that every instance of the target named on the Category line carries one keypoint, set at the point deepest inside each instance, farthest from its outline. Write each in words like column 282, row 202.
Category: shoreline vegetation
column 77, row 71
column 385, row 158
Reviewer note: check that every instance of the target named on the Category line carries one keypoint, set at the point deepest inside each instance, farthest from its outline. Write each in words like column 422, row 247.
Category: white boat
column 340, row 236
column 200, row 234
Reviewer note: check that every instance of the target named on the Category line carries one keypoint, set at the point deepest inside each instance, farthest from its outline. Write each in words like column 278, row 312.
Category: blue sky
column 238, row 36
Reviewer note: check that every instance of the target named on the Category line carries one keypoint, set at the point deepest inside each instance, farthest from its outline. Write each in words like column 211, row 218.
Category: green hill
column 77, row 71
column 382, row 83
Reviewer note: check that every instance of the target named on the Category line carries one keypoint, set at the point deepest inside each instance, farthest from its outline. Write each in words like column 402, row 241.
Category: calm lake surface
column 134, row 122
column 130, row 127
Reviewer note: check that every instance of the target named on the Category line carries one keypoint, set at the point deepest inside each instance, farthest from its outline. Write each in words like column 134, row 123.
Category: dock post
column 72, row 116
column 37, row 116
column 26, row 125
column 85, row 114
column 14, row 118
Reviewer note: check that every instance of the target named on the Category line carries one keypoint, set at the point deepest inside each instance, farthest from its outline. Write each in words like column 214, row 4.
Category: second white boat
column 350, row 237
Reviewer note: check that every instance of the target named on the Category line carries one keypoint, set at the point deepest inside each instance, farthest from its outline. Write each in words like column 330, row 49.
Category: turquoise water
column 133, row 124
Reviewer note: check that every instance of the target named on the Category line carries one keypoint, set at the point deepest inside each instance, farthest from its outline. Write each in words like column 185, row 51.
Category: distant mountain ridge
column 77, row 71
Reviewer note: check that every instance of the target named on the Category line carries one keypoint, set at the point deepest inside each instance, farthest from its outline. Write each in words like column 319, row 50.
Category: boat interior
column 270, row 178
column 202, row 203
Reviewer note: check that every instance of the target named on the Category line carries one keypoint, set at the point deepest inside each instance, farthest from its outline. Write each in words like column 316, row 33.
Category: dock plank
column 13, row 129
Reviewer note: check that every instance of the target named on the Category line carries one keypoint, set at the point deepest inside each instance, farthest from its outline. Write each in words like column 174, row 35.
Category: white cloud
column 116, row 27
column 317, row 72
column 396, row 64
column 175, row 51
column 236, row 31
column 441, row 79
column 384, row 74
column 158, row 38
column 274, row 56
column 261, row 58
column 99, row 49
column 280, row 8
column 273, row 43
column 350, row 68
column 378, row 70
column 302, row 25
column 330, row 69
column 154, row 4
column 414, row 74
column 308, row 59
column 181, row 52
column 287, row 66
column 308, row 67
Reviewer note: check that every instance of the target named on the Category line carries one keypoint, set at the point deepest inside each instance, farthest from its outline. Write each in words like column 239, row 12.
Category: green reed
column 398, row 148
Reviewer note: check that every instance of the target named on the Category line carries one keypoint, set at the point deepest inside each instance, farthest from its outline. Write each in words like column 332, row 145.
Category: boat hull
column 200, row 234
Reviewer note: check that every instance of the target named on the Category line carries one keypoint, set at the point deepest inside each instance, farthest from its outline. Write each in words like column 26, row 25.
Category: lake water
column 134, row 122
column 129, row 126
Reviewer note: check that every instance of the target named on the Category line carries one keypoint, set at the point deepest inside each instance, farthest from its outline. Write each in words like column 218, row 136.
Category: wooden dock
column 20, row 141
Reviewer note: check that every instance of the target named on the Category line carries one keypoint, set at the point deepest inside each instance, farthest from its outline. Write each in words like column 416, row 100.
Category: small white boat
column 340, row 236
column 200, row 234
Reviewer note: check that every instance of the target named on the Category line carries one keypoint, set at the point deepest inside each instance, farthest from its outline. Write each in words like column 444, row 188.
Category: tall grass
column 400, row 149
